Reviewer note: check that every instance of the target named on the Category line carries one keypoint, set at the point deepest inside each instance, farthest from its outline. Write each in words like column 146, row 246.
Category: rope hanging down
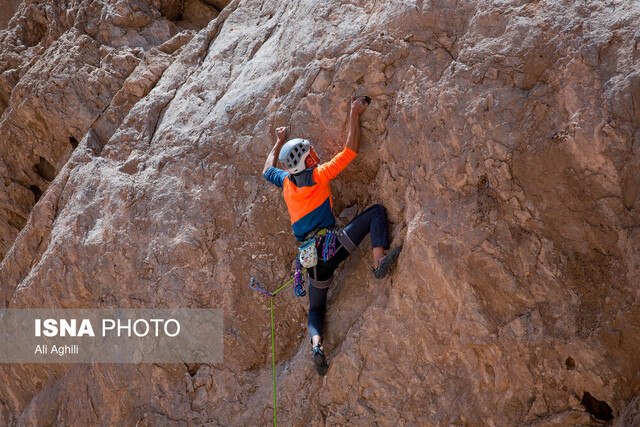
column 256, row 286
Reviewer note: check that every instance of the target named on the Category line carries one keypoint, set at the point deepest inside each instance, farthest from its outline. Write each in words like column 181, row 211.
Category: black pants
column 373, row 221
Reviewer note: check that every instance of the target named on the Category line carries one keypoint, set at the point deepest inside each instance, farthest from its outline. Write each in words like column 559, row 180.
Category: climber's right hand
column 359, row 104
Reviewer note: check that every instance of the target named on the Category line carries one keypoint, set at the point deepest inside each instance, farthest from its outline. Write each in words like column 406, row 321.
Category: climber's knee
column 379, row 210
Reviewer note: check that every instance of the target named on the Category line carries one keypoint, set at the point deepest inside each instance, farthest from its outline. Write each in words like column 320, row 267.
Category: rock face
column 503, row 138
column 66, row 67
column 7, row 9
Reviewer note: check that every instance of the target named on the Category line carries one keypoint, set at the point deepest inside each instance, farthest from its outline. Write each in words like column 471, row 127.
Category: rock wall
column 502, row 138
column 7, row 9
column 68, row 66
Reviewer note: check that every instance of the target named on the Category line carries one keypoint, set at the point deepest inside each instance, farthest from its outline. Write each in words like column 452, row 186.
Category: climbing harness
column 256, row 286
column 324, row 240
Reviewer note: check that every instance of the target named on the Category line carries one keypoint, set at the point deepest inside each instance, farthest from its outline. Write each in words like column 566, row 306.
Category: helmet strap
column 312, row 159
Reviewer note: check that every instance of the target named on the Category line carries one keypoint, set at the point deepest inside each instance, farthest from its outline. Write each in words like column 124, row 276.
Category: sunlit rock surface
column 502, row 138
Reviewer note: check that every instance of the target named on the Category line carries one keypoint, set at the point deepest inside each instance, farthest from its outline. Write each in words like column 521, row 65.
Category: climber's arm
column 358, row 106
column 272, row 158
column 328, row 171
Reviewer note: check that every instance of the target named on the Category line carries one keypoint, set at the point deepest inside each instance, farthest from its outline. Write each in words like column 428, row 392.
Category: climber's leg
column 378, row 253
column 317, row 308
column 320, row 278
column 315, row 321
column 372, row 221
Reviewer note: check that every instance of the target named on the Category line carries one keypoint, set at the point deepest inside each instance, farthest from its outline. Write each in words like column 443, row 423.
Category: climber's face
column 312, row 159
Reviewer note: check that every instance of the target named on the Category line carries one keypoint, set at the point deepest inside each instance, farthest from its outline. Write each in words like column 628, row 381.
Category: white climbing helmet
column 293, row 155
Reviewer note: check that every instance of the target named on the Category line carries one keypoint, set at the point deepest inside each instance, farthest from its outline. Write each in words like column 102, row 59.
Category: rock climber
column 306, row 190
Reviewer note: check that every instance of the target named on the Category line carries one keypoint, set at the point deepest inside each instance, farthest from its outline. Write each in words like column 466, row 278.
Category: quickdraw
column 328, row 243
column 298, row 281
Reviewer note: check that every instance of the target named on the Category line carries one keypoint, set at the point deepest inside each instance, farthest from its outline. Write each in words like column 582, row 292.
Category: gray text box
column 111, row 335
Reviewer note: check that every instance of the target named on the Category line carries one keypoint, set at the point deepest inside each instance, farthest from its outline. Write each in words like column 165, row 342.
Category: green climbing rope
column 273, row 362
column 255, row 285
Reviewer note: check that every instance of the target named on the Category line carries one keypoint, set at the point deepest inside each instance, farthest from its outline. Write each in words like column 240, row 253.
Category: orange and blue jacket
column 308, row 194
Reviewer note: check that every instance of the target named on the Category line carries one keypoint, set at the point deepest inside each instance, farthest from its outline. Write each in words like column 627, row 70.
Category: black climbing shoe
column 320, row 360
column 386, row 262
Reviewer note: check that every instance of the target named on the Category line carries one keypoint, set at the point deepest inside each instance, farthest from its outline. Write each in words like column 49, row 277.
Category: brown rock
column 76, row 75
column 501, row 138
column 7, row 9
